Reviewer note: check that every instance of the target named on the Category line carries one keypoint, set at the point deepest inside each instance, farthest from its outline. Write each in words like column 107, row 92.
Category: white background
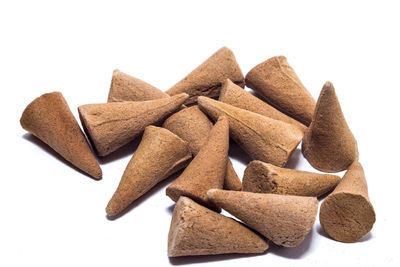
column 52, row 215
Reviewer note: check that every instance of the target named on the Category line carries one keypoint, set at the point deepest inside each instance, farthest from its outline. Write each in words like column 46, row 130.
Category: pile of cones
column 274, row 203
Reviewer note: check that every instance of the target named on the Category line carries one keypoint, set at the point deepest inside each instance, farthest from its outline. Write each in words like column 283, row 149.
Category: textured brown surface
column 193, row 126
column 261, row 137
column 49, row 118
column 328, row 144
column 196, row 230
column 207, row 78
column 261, row 177
column 160, row 154
column 283, row 219
column 113, row 125
column 347, row 214
column 127, row 88
column 276, row 81
column 207, row 169
column 235, row 95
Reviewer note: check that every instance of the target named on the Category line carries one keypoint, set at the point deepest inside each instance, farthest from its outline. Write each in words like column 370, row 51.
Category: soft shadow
column 292, row 253
column 238, row 153
column 294, row 159
column 210, row 258
column 171, row 208
column 322, row 232
column 122, row 152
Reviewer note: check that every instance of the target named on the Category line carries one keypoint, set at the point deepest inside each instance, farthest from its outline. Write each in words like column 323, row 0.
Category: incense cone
column 49, row 118
column 347, row 214
column 193, row 126
column 235, row 95
column 207, row 78
column 276, row 81
column 261, row 137
column 260, row 177
column 196, row 230
column 285, row 220
column 207, row 169
column 113, row 125
column 127, row 88
column 160, row 154
column 328, row 144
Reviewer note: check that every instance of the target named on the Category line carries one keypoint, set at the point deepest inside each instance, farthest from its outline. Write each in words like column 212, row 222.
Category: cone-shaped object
column 193, row 126
column 196, row 230
column 285, row 220
column 260, row 177
column 207, row 78
column 347, row 214
column 235, row 95
column 328, row 143
column 279, row 85
column 113, row 125
column 49, row 118
column 207, row 170
column 127, row 88
column 261, row 137
column 160, row 154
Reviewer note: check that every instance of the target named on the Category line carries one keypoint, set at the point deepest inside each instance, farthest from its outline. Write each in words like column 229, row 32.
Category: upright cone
column 160, row 154
column 193, row 126
column 260, row 177
column 113, row 125
column 347, row 214
column 285, row 220
column 207, row 170
column 196, row 230
column 206, row 79
column 328, row 144
column 261, row 137
column 279, row 85
column 49, row 118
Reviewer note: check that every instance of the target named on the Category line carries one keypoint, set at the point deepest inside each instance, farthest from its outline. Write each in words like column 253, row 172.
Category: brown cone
column 261, row 137
column 207, row 78
column 260, row 177
column 207, row 169
column 328, row 144
column 285, row 220
column 279, row 85
column 193, row 126
column 113, row 125
column 347, row 214
column 160, row 154
column 49, row 118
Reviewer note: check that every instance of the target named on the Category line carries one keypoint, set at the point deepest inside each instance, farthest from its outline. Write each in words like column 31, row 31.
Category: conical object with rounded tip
column 328, row 144
column 160, row 154
column 112, row 125
column 49, row 118
column 261, row 177
column 347, row 214
column 261, row 137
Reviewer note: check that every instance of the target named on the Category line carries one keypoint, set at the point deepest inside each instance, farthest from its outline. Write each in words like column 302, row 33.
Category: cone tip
column 211, row 193
column 328, row 86
column 115, row 71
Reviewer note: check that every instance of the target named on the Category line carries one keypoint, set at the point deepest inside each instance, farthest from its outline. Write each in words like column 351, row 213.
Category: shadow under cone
column 347, row 214
column 283, row 219
column 49, row 118
column 206, row 79
column 261, row 137
column 113, row 125
column 328, row 143
column 196, row 230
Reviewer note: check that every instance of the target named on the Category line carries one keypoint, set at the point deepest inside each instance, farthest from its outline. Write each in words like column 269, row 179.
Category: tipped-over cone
column 283, row 219
column 260, row 177
column 113, row 125
column 160, row 154
column 347, row 214
column 328, row 143
column 279, row 85
column 207, row 170
column 261, row 137
column 207, row 78
column 49, row 118
column 196, row 230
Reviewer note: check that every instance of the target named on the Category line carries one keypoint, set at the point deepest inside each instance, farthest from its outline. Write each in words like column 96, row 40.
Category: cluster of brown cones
column 273, row 202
